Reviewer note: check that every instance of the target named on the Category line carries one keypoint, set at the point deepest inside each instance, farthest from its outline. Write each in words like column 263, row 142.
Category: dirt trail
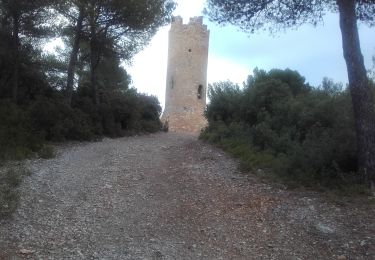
column 170, row 196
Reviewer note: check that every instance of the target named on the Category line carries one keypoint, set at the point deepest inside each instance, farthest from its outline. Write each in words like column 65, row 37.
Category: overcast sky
column 315, row 52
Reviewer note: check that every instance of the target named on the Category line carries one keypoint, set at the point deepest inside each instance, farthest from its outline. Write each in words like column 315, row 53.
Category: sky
column 315, row 52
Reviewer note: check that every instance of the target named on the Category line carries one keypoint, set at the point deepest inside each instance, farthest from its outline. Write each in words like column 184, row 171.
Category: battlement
column 194, row 22
column 177, row 20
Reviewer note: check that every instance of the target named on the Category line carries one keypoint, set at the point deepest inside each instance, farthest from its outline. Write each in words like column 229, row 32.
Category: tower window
column 172, row 82
column 189, row 50
column 199, row 94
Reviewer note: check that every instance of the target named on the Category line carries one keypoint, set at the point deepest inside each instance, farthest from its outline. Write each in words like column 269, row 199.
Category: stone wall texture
column 186, row 82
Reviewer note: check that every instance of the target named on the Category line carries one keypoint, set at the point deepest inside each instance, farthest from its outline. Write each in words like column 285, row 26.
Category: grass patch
column 10, row 179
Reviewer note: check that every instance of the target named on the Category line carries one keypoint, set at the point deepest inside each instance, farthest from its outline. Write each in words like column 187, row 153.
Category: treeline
column 81, row 92
column 278, row 125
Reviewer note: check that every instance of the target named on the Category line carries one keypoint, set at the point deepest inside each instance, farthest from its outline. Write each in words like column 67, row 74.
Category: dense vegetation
column 279, row 124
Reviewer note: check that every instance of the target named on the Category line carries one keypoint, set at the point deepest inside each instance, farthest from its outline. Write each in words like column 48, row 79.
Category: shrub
column 126, row 113
column 279, row 122
column 58, row 122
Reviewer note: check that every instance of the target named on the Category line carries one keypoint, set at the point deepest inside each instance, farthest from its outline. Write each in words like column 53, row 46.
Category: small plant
column 165, row 126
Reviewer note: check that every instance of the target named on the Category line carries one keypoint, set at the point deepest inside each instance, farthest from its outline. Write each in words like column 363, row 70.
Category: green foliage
column 224, row 98
column 112, row 28
column 279, row 123
column 32, row 81
column 275, row 15
column 25, row 129
column 56, row 121
column 127, row 113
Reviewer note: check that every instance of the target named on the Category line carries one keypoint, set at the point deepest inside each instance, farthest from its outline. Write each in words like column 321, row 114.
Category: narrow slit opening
column 199, row 94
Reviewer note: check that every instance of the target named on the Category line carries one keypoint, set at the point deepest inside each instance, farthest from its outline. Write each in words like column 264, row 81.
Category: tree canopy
column 279, row 14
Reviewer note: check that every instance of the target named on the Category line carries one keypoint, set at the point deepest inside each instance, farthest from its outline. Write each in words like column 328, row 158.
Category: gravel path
column 170, row 196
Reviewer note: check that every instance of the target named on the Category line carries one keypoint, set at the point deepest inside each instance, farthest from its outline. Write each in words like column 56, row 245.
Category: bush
column 25, row 129
column 127, row 113
column 280, row 123
column 58, row 122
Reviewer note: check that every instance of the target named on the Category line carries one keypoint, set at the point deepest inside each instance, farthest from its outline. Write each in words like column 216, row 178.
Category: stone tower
column 186, row 85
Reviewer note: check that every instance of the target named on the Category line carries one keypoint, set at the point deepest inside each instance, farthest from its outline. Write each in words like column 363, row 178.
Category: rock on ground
column 170, row 196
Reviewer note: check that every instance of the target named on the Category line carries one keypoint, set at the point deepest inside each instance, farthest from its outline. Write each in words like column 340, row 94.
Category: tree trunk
column 16, row 56
column 73, row 57
column 360, row 91
column 94, row 61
